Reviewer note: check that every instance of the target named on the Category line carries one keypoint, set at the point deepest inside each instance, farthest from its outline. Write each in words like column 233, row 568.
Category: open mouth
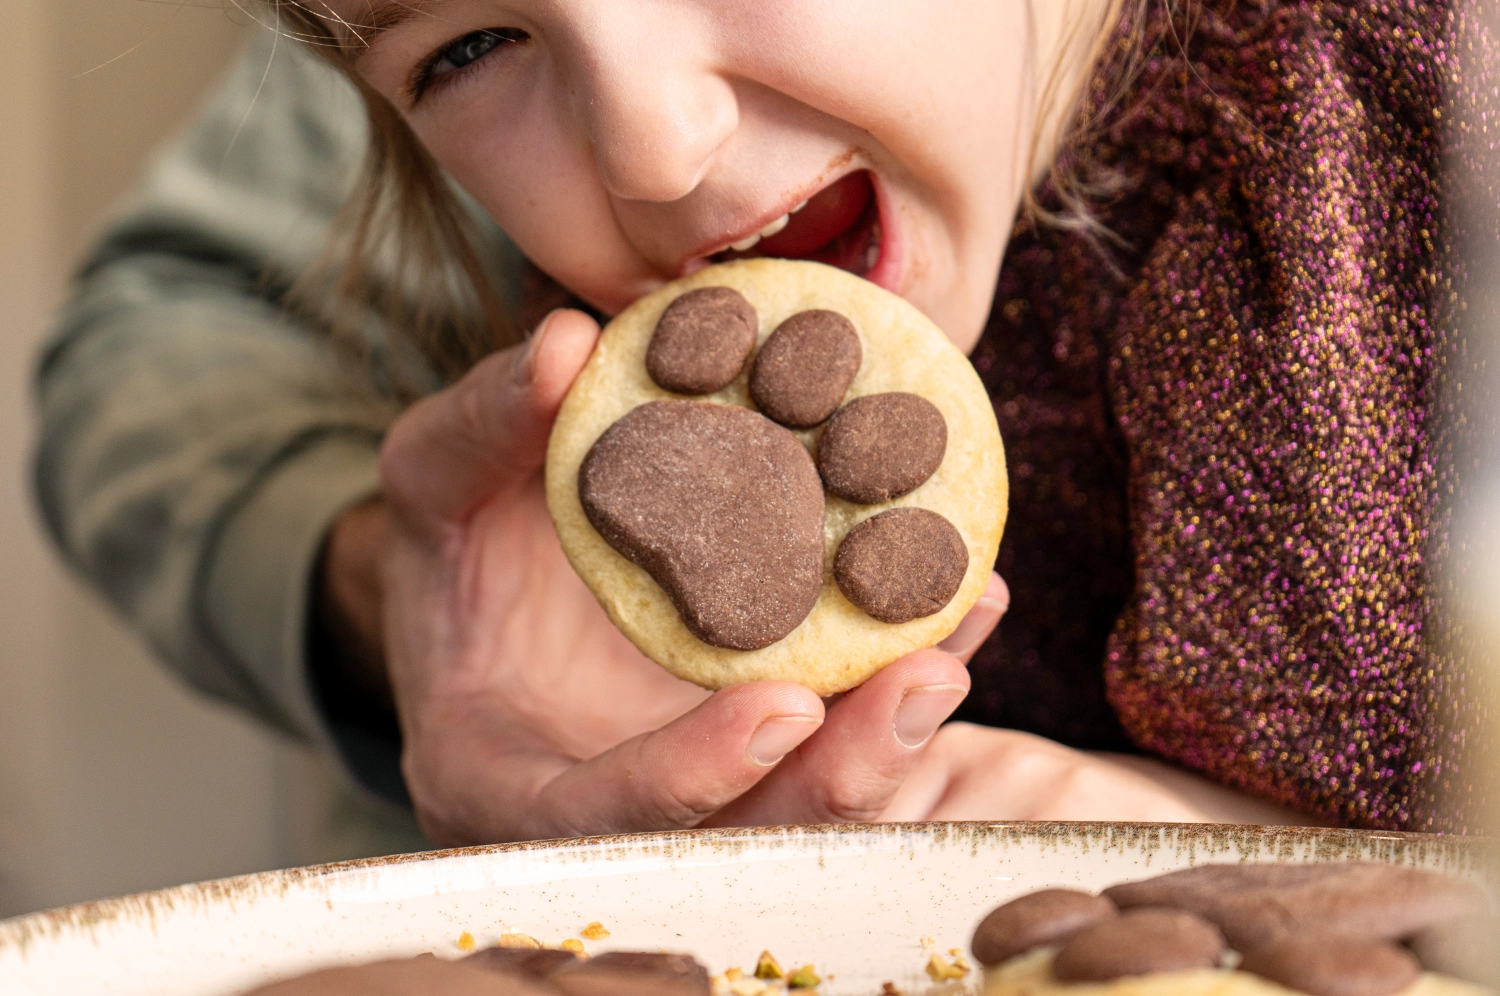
column 839, row 225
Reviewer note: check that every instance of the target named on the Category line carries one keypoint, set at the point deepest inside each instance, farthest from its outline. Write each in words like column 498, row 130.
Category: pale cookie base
column 837, row 646
column 1031, row 975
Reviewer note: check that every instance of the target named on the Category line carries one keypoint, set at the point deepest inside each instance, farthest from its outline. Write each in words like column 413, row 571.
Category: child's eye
column 460, row 54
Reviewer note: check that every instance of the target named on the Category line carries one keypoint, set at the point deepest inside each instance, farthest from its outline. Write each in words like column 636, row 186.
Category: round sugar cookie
column 709, row 538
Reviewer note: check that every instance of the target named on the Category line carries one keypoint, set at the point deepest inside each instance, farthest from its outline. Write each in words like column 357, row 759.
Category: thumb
column 980, row 622
column 487, row 433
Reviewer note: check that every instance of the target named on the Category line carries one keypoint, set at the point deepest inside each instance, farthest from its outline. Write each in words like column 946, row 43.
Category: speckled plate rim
column 1470, row 856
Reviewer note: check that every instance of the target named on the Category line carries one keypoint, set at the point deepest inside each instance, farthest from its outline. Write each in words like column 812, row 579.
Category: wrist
column 346, row 640
column 1213, row 803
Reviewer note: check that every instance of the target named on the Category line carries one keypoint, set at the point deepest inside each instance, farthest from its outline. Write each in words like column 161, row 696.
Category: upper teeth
column 765, row 233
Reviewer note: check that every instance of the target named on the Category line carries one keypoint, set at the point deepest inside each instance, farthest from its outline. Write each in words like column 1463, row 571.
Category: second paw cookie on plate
column 776, row 470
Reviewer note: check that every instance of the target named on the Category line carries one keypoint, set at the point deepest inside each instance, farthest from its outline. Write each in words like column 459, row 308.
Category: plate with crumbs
column 867, row 906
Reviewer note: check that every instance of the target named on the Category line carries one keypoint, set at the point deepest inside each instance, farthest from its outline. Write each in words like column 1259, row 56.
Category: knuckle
column 435, row 819
column 468, row 400
column 852, row 803
column 400, row 458
column 683, row 805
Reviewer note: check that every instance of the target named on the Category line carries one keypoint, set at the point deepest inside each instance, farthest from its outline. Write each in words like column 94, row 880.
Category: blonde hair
column 404, row 244
column 438, row 296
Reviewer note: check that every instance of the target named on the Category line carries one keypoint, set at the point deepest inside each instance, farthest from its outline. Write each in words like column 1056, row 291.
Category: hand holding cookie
column 527, row 714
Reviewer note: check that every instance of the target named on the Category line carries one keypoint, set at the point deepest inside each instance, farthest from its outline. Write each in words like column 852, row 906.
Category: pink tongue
column 827, row 216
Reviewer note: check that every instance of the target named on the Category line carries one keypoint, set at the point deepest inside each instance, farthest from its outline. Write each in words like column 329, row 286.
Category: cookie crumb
column 466, row 941
column 889, row 989
column 768, row 967
column 940, row 970
column 747, row 987
column 594, row 931
column 805, row 977
column 574, row 945
column 517, row 941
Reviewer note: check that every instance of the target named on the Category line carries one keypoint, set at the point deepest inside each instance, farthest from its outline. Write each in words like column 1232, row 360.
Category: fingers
column 466, row 444
column 980, row 622
column 693, row 766
column 849, row 771
column 668, row 779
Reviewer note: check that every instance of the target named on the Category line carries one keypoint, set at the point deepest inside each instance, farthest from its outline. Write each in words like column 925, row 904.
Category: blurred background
column 113, row 778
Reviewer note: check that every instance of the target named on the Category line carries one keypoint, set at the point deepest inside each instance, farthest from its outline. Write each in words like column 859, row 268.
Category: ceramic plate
column 854, row 900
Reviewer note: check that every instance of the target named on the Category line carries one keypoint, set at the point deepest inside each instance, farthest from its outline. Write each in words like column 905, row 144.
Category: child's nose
column 654, row 107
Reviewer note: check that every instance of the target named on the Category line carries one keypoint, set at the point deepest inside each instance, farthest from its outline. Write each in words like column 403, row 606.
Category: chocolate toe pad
column 536, row 962
column 1256, row 904
column 702, row 341
column 1335, row 965
column 805, row 368
column 881, row 446
column 1139, row 943
column 902, row 564
column 722, row 507
column 633, row 973
column 1047, row 916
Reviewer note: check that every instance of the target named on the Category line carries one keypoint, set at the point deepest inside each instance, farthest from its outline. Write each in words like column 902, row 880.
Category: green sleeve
column 197, row 439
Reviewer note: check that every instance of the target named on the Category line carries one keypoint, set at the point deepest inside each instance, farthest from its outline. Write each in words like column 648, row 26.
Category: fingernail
column 778, row 737
column 974, row 628
column 923, row 710
column 534, row 347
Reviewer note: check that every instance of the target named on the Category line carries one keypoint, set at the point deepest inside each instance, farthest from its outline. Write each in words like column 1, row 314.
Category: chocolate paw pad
column 773, row 469
column 721, row 507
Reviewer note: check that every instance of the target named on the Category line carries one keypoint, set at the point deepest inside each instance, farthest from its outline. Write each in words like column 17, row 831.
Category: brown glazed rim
column 1204, row 842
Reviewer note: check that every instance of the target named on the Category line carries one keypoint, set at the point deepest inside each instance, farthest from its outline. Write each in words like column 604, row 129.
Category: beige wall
column 112, row 778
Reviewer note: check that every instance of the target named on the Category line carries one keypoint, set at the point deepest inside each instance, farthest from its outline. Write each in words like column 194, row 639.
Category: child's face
column 623, row 143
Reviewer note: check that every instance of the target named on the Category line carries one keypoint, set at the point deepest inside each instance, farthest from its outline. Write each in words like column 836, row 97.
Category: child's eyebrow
column 384, row 15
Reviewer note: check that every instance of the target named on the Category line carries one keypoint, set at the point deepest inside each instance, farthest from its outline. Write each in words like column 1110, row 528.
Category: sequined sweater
column 1225, row 420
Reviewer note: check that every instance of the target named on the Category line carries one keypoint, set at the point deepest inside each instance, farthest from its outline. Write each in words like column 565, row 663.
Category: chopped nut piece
column 466, row 941
column 804, row 978
column 595, row 931
column 747, row 987
column 733, row 974
column 940, row 971
column 768, row 967
column 928, row 943
column 574, row 945
column 518, row 941
column 889, row 989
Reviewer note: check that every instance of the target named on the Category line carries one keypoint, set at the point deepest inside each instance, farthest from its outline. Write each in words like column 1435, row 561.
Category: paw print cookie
column 773, row 469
